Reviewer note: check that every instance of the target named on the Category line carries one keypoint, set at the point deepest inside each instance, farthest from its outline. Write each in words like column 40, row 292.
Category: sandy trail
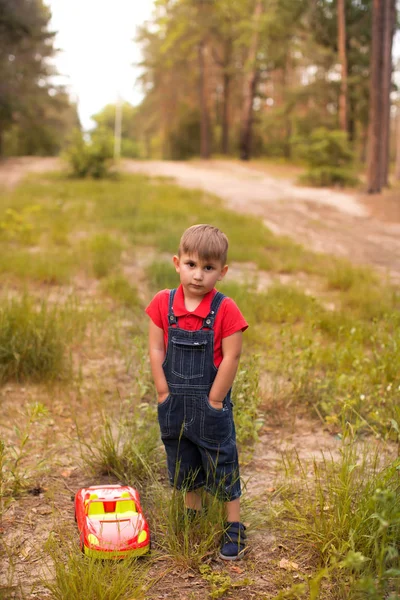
column 322, row 219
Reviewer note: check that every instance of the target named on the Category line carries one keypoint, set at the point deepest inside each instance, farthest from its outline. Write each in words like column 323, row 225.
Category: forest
column 246, row 78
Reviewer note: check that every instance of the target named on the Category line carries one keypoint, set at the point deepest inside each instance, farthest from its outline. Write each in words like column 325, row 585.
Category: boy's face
column 198, row 277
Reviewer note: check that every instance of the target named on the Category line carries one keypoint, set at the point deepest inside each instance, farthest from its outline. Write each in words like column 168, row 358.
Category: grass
column 335, row 355
column 118, row 287
column 347, row 519
column 32, row 344
column 77, row 576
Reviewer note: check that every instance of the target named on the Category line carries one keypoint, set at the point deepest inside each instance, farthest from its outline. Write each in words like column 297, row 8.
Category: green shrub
column 328, row 156
column 329, row 176
column 90, row 158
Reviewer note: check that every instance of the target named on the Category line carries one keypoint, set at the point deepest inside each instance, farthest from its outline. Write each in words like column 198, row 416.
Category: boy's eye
column 191, row 264
column 209, row 268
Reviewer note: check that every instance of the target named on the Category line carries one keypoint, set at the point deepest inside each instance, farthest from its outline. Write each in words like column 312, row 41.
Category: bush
column 328, row 176
column 90, row 158
column 329, row 158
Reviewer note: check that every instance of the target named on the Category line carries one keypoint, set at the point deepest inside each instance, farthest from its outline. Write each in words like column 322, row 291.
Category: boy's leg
column 193, row 500
column 232, row 511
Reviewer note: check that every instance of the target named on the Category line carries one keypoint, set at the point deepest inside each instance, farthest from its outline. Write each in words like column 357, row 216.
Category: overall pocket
column 188, row 358
column 216, row 425
column 163, row 410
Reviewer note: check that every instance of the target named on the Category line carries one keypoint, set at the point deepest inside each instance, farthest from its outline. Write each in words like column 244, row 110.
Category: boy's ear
column 175, row 260
column 224, row 271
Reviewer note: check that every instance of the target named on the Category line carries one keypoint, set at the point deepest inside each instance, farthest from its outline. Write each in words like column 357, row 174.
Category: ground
column 362, row 228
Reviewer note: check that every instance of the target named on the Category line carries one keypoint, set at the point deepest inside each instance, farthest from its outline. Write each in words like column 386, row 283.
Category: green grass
column 32, row 345
column 77, row 576
column 118, row 287
column 342, row 364
column 346, row 519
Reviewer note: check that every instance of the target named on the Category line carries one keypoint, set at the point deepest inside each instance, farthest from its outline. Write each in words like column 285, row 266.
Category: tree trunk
column 397, row 172
column 389, row 21
column 250, row 84
column 225, row 114
column 383, row 27
column 341, row 15
column 375, row 109
column 203, row 94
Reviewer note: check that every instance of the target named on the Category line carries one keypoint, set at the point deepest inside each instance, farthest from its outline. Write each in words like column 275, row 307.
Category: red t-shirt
column 228, row 321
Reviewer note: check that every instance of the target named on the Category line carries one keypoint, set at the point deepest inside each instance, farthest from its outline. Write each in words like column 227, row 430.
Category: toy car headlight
column 142, row 537
column 92, row 539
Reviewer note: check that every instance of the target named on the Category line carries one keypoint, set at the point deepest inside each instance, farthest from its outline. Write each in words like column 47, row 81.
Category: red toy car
column 111, row 522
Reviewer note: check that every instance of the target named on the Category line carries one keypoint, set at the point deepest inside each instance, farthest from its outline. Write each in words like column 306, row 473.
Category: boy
column 195, row 342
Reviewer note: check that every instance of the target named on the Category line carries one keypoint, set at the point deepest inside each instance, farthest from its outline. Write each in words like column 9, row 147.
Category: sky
column 97, row 51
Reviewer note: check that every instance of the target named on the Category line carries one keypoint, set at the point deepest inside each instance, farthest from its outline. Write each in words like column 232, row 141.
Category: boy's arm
column 231, row 350
column 157, row 355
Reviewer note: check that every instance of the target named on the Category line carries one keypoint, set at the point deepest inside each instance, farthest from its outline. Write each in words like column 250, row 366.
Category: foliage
column 297, row 79
column 90, row 158
column 328, row 156
column 105, row 120
column 35, row 113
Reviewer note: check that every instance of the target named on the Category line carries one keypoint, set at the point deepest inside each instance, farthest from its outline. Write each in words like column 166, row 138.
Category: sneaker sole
column 239, row 556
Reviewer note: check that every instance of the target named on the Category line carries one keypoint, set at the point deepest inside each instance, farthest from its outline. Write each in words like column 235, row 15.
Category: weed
column 77, row 576
column 185, row 540
column 348, row 518
column 161, row 275
column 121, row 290
column 15, row 476
column 105, row 254
column 31, row 341
column 221, row 583
column 246, row 396
column 343, row 276
column 126, row 449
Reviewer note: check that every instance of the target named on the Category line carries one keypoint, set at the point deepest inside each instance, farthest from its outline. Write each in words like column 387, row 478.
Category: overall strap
column 172, row 320
column 208, row 322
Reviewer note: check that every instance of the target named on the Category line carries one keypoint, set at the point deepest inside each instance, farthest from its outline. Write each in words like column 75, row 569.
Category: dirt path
column 12, row 170
column 324, row 220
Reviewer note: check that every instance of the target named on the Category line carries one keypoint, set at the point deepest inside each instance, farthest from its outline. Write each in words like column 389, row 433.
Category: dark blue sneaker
column 233, row 545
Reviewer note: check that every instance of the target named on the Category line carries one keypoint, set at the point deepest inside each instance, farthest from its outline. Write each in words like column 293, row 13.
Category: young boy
column 195, row 342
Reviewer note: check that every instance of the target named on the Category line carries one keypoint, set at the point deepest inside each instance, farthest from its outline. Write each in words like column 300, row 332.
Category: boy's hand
column 162, row 397
column 216, row 404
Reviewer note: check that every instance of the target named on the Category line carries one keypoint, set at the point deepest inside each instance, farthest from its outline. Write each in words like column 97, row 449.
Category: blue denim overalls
column 199, row 440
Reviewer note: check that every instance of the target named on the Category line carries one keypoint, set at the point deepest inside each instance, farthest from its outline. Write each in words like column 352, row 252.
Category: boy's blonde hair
column 208, row 242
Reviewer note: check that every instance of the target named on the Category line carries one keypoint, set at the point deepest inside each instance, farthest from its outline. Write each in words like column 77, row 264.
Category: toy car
column 111, row 522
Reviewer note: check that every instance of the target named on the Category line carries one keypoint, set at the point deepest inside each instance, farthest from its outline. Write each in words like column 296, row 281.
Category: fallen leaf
column 288, row 565
column 236, row 569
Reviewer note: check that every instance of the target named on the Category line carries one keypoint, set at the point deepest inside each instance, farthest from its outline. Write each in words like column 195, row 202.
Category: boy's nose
column 198, row 275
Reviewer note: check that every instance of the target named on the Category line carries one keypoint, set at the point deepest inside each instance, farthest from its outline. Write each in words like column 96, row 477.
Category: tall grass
column 77, row 576
column 346, row 518
column 32, row 344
